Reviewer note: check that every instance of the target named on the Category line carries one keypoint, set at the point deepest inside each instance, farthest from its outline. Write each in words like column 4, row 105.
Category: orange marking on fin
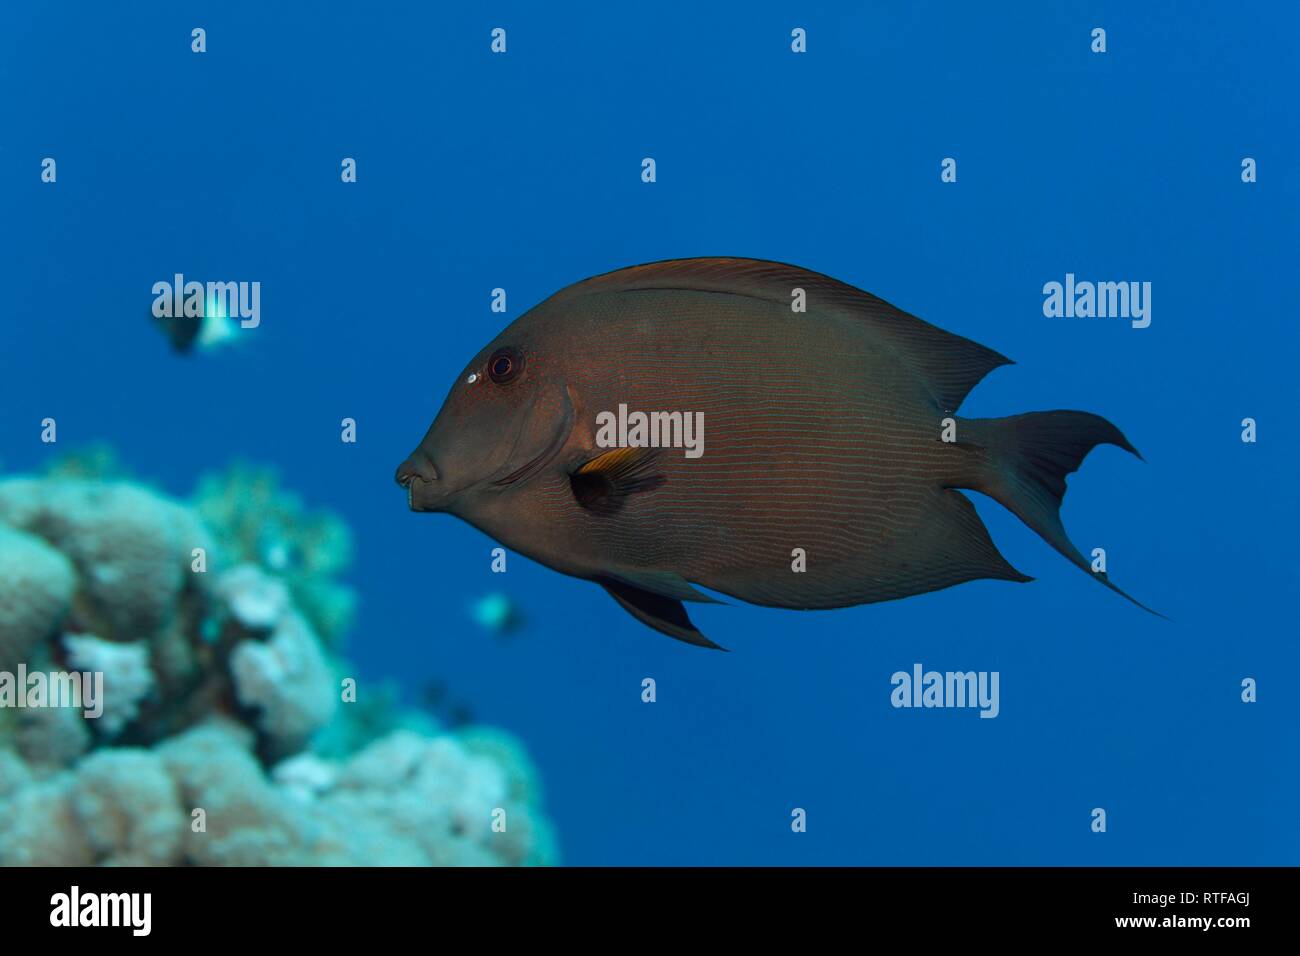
column 610, row 460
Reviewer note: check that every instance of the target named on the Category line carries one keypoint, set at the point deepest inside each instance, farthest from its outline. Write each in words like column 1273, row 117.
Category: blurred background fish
column 188, row 333
column 498, row 614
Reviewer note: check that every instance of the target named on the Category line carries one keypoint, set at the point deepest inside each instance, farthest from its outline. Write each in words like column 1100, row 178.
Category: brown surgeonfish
column 678, row 422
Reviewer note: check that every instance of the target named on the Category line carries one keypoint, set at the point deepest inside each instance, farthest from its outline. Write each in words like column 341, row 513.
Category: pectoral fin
column 666, row 615
column 603, row 484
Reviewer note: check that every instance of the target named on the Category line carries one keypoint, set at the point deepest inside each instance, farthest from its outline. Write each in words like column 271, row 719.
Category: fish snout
column 420, row 479
column 419, row 465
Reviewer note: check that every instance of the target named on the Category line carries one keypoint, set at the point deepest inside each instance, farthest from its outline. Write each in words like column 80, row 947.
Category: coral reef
column 97, row 461
column 127, row 676
column 256, row 522
column 227, row 733
column 37, row 593
column 287, row 681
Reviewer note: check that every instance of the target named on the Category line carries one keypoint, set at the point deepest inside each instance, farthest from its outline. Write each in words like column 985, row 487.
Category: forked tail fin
column 1023, row 463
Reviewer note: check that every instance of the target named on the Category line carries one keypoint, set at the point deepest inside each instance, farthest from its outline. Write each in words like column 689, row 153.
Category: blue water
column 523, row 171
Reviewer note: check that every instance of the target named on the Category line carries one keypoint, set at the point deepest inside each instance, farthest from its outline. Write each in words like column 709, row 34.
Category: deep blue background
column 523, row 171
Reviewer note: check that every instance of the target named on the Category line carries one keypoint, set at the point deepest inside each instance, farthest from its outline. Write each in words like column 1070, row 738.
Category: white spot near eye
column 473, row 377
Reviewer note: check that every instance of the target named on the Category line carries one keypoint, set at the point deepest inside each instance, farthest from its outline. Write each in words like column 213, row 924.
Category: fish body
column 822, row 434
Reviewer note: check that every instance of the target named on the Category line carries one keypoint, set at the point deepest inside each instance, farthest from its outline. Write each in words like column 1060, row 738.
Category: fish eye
column 505, row 365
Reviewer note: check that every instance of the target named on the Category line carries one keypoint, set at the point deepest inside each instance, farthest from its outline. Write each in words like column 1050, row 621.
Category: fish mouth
column 423, row 495
column 420, row 478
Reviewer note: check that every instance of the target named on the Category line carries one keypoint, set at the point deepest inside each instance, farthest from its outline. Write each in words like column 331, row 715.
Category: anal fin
column 950, row 546
column 969, row 547
column 667, row 584
column 666, row 615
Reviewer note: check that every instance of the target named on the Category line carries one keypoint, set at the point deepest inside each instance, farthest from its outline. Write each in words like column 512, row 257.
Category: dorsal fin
column 949, row 365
